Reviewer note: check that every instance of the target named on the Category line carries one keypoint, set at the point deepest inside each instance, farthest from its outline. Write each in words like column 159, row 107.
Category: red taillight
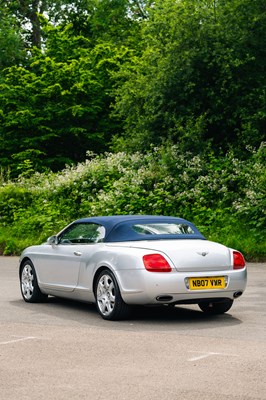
column 239, row 261
column 156, row 263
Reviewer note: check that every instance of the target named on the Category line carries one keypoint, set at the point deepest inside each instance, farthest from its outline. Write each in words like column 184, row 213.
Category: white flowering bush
column 225, row 197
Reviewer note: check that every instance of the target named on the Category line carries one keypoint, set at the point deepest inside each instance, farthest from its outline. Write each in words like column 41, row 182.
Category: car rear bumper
column 143, row 287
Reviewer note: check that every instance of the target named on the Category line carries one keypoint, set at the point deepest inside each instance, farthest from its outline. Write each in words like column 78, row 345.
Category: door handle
column 77, row 253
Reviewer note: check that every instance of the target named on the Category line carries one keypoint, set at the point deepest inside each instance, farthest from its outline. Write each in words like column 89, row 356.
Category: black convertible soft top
column 120, row 228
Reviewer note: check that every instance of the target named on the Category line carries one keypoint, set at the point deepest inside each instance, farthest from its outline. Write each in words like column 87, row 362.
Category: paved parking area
column 64, row 350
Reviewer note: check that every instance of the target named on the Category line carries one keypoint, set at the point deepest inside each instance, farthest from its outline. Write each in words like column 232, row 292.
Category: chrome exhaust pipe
column 164, row 298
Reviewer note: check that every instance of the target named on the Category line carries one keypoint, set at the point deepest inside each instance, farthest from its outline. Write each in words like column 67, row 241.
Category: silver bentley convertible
column 121, row 261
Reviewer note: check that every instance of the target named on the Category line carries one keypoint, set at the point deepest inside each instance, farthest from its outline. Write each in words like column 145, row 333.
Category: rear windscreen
column 163, row 229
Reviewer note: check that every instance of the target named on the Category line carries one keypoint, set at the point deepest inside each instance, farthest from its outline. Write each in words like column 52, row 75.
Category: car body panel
column 69, row 270
column 187, row 255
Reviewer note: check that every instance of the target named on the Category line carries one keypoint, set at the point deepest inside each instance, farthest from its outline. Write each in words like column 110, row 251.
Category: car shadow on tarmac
column 145, row 318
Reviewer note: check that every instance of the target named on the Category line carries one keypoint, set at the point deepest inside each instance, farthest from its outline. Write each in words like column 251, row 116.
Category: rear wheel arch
column 95, row 278
column 109, row 301
column 97, row 274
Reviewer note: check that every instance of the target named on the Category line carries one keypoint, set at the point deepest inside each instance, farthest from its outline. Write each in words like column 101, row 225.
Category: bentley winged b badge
column 202, row 253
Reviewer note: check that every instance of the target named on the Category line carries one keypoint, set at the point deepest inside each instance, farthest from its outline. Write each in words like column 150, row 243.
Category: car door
column 59, row 263
column 58, row 266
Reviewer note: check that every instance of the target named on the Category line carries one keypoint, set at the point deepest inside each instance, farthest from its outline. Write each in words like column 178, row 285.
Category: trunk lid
column 189, row 255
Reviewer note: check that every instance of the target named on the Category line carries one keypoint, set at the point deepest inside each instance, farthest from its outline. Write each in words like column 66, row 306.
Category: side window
column 83, row 234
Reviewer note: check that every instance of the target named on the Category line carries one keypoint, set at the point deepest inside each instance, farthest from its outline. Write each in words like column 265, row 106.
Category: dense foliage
column 200, row 77
column 105, row 75
column 224, row 197
column 55, row 105
column 166, row 96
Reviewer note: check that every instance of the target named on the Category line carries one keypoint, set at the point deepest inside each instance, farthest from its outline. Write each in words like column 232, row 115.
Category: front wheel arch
column 22, row 263
column 29, row 286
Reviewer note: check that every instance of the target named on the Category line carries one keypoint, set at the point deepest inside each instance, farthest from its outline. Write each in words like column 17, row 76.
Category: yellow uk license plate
column 207, row 283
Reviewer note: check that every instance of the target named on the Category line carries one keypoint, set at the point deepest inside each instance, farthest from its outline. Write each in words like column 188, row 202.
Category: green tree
column 118, row 21
column 27, row 13
column 56, row 109
column 96, row 17
column 11, row 47
column 57, row 106
column 200, row 78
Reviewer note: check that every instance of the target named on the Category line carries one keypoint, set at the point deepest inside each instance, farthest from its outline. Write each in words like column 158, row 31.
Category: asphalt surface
column 64, row 350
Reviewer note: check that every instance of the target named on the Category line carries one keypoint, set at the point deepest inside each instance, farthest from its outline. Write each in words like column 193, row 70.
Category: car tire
column 216, row 307
column 109, row 302
column 29, row 284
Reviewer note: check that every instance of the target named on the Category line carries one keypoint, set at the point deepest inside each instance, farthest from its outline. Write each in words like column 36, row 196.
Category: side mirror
column 52, row 240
